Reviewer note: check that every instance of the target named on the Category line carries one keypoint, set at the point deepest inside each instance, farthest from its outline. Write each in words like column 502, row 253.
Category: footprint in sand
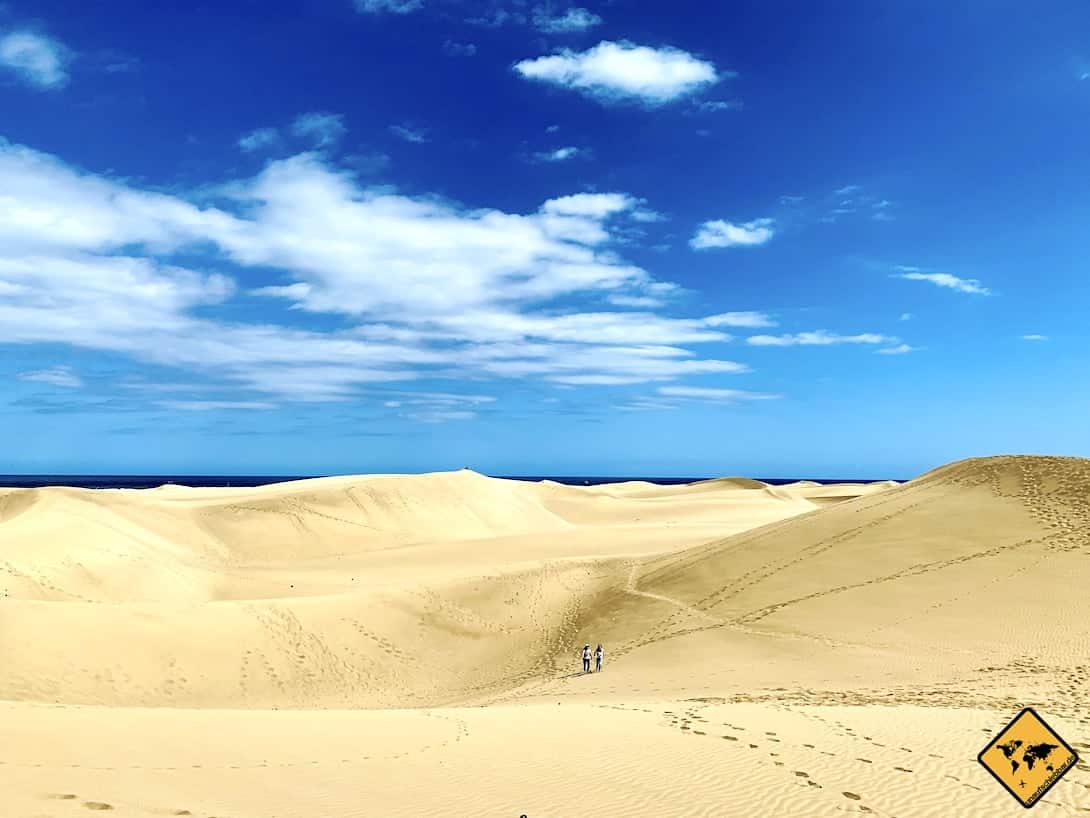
column 903, row 769
column 852, row 796
column 97, row 805
column 801, row 774
column 62, row 796
column 730, row 738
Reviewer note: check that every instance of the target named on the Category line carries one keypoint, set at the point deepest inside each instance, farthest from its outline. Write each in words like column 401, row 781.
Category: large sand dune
column 407, row 645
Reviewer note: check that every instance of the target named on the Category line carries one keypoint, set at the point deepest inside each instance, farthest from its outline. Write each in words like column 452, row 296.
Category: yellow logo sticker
column 1027, row 757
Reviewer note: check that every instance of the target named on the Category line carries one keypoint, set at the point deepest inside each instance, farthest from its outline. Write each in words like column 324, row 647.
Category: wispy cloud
column 260, row 138
column 39, row 60
column 58, row 376
column 900, row 349
column 574, row 19
column 560, row 154
column 818, row 338
column 614, row 71
column 906, row 316
column 409, row 134
column 720, row 233
column 453, row 49
column 322, row 127
column 437, row 407
column 713, row 105
column 952, row 282
column 388, row 6
column 1034, row 337
column 713, row 395
column 850, row 201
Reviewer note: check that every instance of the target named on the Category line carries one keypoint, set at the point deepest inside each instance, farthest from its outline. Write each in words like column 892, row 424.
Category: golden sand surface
column 409, row 645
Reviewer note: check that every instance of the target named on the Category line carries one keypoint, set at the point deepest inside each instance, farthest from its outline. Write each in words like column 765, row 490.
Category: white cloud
column 453, row 49
column 387, row 6
column 906, row 316
column 423, row 288
column 559, row 154
column 720, row 233
column 739, row 319
column 409, row 134
column 614, row 71
column 714, row 395
column 322, row 127
column 260, row 138
column 963, row 285
column 41, row 61
column 574, row 19
column 58, row 376
column 1034, row 337
column 900, row 349
column 818, row 338
column 848, row 190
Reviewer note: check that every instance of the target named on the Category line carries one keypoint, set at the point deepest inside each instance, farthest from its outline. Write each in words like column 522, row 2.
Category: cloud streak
column 818, row 338
column 951, row 282
column 61, row 376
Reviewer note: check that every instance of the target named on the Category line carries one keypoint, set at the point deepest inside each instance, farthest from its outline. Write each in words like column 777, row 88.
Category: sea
column 148, row 481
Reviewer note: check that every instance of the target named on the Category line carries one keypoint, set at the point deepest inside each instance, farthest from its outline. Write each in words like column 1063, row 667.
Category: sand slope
column 771, row 650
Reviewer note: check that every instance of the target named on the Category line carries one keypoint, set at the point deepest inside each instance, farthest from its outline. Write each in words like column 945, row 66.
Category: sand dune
column 406, row 645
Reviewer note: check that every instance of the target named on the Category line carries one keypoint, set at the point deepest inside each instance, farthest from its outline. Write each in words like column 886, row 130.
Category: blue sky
column 540, row 237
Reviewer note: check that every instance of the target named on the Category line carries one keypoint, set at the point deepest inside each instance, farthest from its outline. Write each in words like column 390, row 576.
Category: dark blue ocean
column 146, row 481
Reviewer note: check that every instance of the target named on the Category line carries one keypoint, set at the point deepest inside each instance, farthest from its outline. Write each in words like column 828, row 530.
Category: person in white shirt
column 598, row 654
column 586, row 658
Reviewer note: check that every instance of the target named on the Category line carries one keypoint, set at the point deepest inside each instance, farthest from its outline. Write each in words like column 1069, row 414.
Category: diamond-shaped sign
column 1027, row 757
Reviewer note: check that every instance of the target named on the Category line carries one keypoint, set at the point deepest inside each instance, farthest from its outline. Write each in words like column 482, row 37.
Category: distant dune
column 441, row 616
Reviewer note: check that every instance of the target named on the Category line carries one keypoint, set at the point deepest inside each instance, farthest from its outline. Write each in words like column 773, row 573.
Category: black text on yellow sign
column 1027, row 757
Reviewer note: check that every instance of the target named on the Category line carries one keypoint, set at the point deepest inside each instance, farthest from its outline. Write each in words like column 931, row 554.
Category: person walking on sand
column 598, row 654
column 586, row 658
